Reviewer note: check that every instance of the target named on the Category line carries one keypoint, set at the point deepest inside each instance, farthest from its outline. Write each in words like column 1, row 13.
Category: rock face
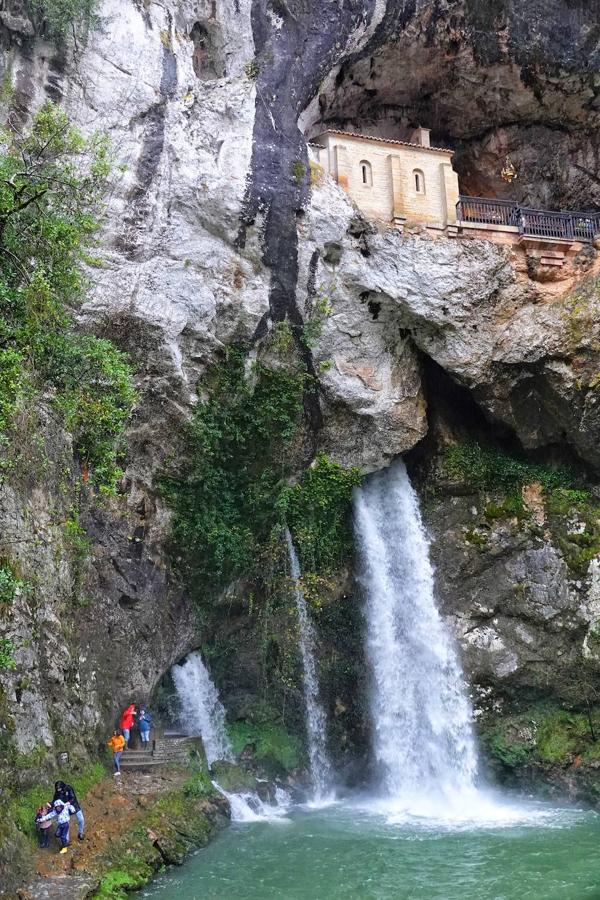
column 214, row 230
column 520, row 616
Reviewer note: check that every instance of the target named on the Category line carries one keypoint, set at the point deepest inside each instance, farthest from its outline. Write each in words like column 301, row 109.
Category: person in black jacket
column 66, row 793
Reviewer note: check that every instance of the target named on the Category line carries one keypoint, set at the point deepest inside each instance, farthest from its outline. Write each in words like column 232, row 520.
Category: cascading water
column 202, row 712
column 423, row 740
column 316, row 721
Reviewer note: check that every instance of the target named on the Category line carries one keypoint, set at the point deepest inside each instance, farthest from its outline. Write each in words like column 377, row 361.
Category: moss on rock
column 272, row 746
column 547, row 744
column 172, row 827
column 232, row 777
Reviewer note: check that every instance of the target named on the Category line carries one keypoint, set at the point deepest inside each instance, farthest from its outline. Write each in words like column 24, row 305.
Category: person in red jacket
column 126, row 723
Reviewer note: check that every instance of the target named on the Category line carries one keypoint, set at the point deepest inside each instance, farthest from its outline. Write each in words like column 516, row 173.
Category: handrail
column 570, row 226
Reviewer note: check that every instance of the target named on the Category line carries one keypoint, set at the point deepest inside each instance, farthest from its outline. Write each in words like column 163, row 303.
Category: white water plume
column 202, row 713
column 422, row 736
column 248, row 807
column 316, row 721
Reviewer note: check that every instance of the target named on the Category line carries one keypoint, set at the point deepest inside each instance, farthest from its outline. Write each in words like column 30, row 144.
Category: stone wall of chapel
column 343, row 156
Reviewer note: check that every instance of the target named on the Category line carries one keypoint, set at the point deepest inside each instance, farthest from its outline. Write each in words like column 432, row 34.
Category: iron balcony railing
column 570, row 226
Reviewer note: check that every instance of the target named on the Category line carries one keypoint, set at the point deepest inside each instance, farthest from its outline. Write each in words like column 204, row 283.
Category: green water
column 342, row 853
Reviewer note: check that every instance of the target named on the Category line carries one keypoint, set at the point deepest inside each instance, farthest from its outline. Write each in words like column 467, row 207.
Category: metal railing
column 488, row 212
column 569, row 226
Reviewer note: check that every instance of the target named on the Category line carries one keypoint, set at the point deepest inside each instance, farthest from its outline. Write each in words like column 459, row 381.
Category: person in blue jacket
column 144, row 723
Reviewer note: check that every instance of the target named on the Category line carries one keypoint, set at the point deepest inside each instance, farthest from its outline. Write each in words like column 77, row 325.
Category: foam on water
column 248, row 807
column 478, row 809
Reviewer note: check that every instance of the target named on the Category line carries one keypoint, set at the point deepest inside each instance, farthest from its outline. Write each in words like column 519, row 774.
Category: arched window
column 366, row 173
column 419, row 181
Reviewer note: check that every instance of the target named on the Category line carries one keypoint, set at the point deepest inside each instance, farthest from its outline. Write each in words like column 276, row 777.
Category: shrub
column 57, row 18
column 9, row 585
column 317, row 511
column 7, row 659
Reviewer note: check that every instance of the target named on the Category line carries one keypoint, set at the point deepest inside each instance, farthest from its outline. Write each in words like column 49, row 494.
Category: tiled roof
column 369, row 137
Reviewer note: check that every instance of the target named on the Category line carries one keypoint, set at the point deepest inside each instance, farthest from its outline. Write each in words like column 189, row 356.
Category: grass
column 117, row 883
column 23, row 808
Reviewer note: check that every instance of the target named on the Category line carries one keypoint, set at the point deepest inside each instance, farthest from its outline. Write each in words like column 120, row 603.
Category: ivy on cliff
column 224, row 497
column 51, row 184
column 232, row 495
column 317, row 512
column 231, row 498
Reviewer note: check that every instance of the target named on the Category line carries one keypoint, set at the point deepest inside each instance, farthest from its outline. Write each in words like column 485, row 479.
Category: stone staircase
column 164, row 750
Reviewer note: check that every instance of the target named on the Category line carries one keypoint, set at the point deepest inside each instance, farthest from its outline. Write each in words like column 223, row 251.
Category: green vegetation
column 316, row 173
column 176, row 823
column 572, row 512
column 546, row 735
column 512, row 745
column 10, row 585
column 317, row 513
column 477, row 539
column 511, row 507
column 271, row 743
column 487, row 468
column 581, row 546
column 7, row 650
column 199, row 785
column 58, row 18
column 23, row 807
column 116, row 884
column 232, row 777
column 559, row 735
column 223, row 499
column 51, row 185
column 313, row 328
column 232, row 496
column 298, row 170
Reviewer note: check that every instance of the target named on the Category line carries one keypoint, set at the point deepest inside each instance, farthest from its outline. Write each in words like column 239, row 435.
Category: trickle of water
column 422, row 734
column 316, row 721
column 202, row 713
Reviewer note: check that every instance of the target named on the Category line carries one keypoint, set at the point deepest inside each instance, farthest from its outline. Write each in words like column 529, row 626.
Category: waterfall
column 422, row 735
column 316, row 721
column 202, row 713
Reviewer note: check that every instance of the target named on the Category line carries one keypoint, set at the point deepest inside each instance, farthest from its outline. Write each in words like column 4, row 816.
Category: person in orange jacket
column 126, row 723
column 117, row 745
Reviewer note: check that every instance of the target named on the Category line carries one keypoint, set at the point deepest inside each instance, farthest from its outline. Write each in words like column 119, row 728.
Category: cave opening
column 488, row 90
column 454, row 414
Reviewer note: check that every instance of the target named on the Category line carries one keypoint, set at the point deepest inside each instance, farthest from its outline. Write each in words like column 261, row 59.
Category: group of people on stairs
column 65, row 804
column 120, row 737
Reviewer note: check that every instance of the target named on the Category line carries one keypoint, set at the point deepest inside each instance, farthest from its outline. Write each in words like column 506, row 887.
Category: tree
column 52, row 181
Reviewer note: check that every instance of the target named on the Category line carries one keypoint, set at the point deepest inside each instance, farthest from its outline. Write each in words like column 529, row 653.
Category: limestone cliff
column 214, row 230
